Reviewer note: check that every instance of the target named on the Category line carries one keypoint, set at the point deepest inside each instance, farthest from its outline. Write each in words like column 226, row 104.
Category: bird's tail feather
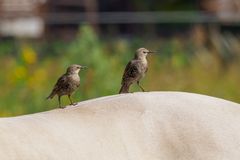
column 124, row 88
column 51, row 95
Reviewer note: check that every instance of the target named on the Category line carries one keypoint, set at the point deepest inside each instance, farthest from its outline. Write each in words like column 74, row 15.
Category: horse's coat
column 138, row 126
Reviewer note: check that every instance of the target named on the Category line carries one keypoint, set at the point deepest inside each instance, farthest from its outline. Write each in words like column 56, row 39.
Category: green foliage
column 31, row 70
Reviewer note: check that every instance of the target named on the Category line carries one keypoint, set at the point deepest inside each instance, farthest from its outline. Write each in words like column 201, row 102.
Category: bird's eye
column 144, row 52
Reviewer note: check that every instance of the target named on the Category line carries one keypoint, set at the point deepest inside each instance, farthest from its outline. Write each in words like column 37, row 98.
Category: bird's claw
column 62, row 107
column 73, row 104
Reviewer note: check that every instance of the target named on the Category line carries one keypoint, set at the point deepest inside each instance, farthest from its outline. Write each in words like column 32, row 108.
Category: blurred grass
column 30, row 69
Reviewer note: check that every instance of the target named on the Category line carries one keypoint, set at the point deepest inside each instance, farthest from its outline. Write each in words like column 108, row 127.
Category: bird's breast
column 75, row 80
column 143, row 66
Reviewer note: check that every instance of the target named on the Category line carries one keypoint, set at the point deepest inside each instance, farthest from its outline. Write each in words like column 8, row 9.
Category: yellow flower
column 20, row 72
column 37, row 78
column 29, row 55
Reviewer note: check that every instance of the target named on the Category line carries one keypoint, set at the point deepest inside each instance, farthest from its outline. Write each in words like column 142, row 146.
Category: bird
column 67, row 83
column 135, row 70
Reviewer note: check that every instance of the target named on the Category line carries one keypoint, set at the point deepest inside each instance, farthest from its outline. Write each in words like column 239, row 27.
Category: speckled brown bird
column 67, row 83
column 135, row 70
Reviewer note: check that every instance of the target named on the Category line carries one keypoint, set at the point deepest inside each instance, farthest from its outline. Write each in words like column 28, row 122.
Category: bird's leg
column 59, row 102
column 69, row 97
column 140, row 86
column 71, row 102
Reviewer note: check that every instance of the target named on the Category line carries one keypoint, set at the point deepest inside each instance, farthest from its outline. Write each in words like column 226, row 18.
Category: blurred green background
column 199, row 61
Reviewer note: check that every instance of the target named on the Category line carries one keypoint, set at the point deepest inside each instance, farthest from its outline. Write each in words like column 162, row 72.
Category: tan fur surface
column 138, row 126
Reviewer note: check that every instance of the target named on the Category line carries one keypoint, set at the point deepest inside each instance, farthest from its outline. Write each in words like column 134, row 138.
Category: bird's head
column 75, row 68
column 142, row 53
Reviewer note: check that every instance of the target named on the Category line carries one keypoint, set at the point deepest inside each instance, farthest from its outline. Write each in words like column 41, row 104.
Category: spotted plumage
column 67, row 83
column 135, row 70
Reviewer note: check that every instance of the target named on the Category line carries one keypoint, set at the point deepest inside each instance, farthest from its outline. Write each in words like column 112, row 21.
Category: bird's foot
column 143, row 90
column 62, row 107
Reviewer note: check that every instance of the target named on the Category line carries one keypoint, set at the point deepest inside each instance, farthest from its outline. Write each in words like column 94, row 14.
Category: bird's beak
column 84, row 67
column 153, row 52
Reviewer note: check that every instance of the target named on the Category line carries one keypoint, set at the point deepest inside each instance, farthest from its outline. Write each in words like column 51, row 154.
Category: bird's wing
column 61, row 84
column 131, row 72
